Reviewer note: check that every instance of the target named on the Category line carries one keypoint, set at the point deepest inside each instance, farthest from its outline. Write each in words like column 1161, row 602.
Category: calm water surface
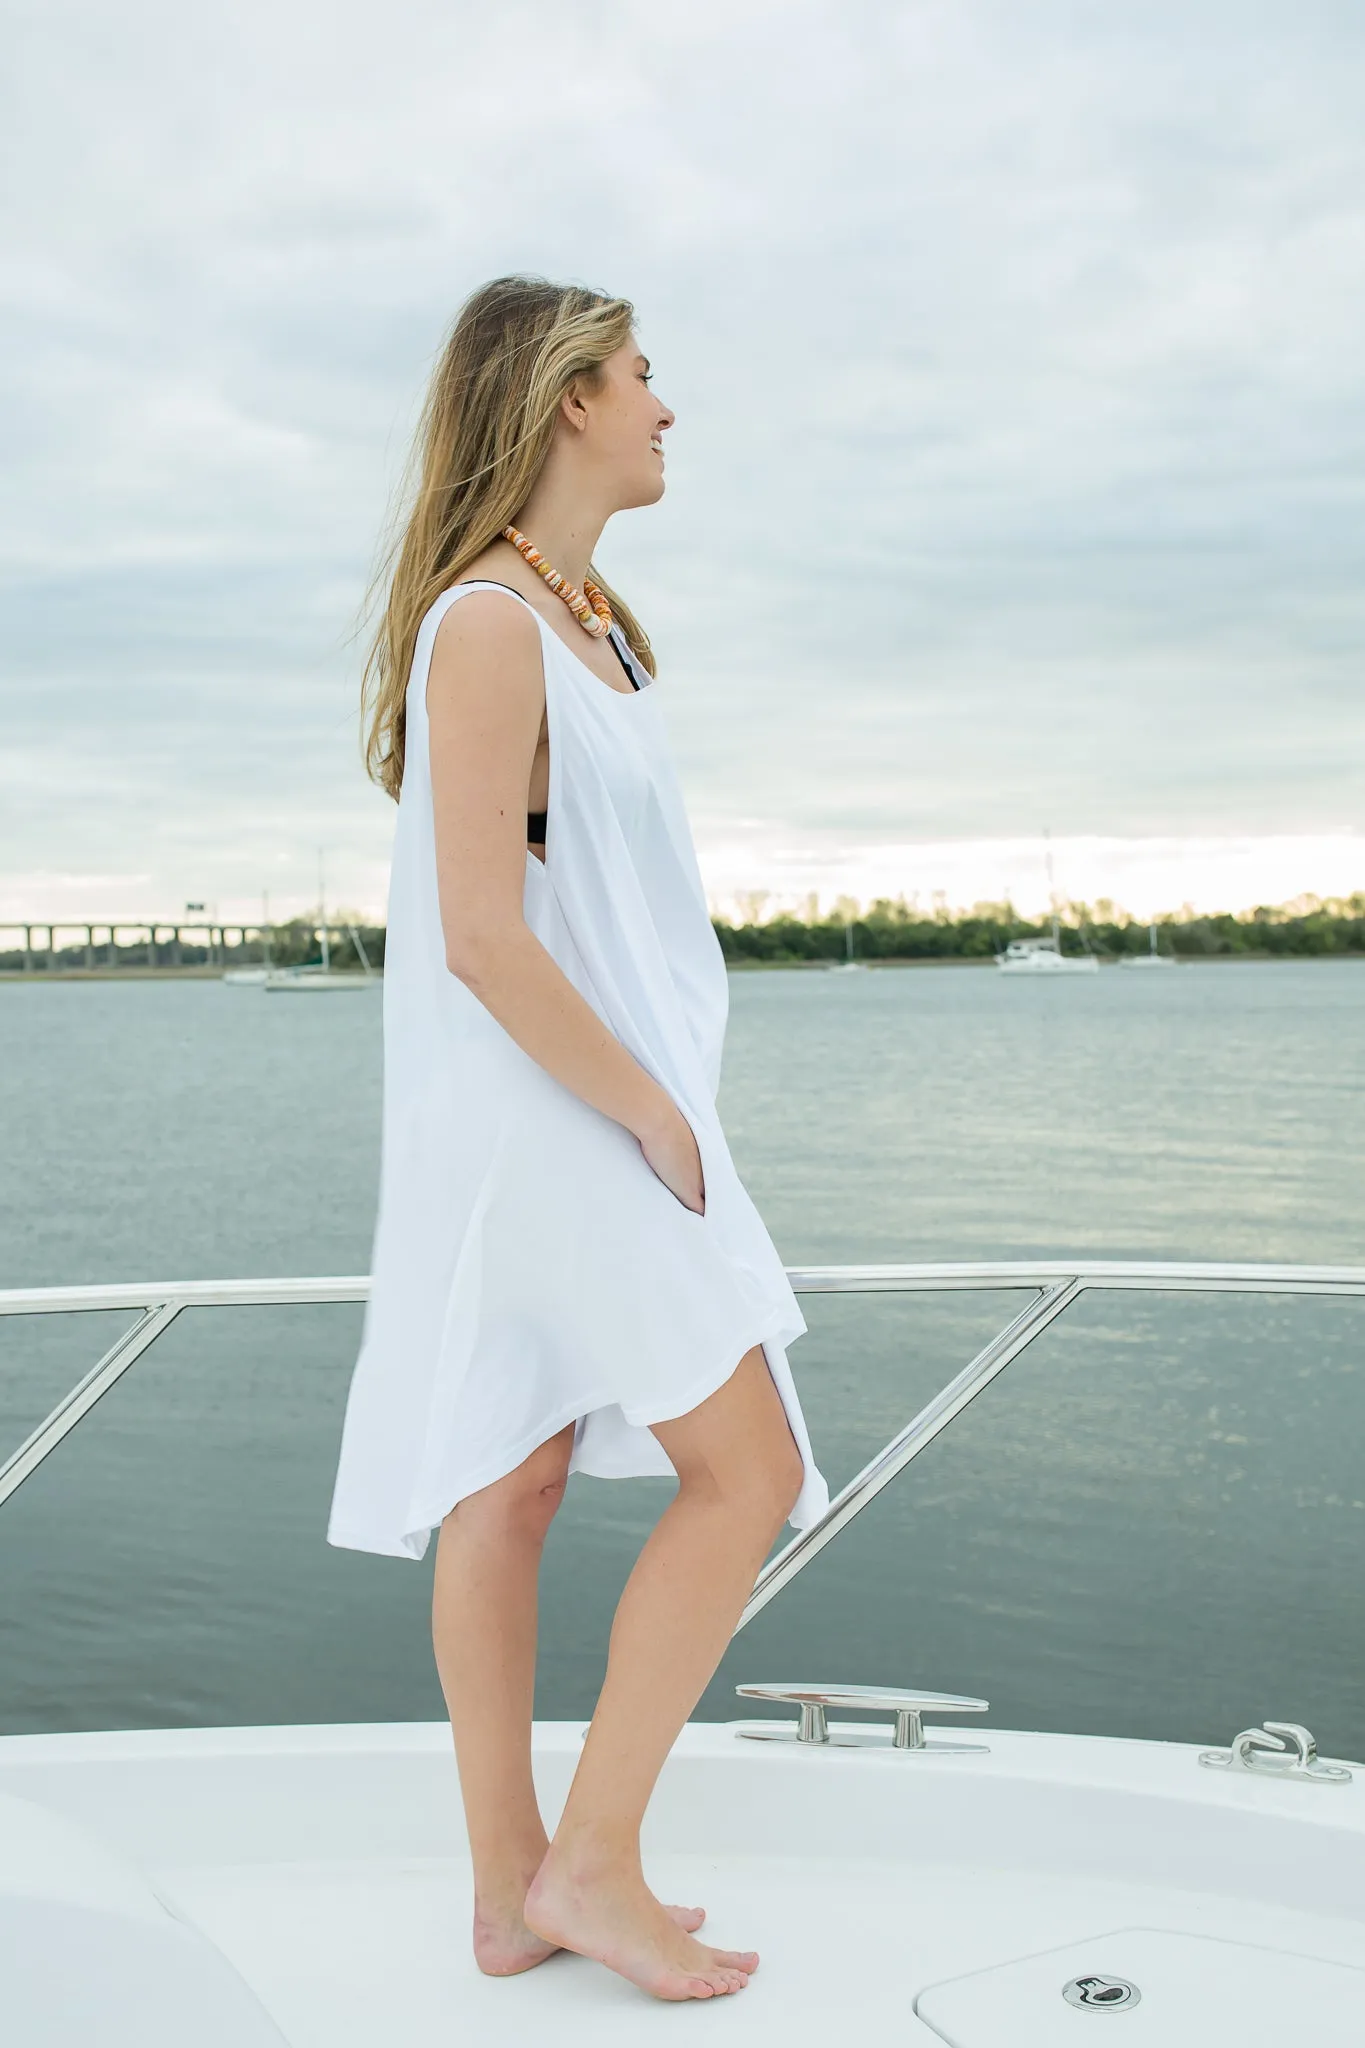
column 1152, row 1524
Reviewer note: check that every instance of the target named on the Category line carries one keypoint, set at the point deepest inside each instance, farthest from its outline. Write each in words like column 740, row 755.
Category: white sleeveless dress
column 530, row 1269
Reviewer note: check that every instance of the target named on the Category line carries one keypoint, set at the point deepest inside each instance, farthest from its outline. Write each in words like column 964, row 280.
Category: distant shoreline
column 39, row 976
column 988, row 960
column 886, row 934
column 901, row 933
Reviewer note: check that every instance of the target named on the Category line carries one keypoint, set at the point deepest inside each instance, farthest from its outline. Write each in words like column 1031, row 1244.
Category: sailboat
column 1045, row 956
column 848, row 964
column 1151, row 958
column 319, row 977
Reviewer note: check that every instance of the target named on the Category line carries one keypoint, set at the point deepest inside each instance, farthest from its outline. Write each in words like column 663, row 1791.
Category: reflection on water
column 1151, row 1524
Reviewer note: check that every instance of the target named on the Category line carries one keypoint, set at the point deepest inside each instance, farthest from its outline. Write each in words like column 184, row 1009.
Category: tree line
column 1309, row 927
column 887, row 930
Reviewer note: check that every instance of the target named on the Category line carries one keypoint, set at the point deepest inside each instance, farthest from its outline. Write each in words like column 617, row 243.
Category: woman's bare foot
column 615, row 1919
column 504, row 1945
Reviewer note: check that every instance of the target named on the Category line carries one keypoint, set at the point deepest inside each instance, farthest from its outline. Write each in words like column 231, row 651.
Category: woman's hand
column 671, row 1149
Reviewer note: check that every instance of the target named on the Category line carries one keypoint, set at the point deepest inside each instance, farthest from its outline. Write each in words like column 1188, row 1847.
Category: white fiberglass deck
column 327, row 1866
column 290, row 1887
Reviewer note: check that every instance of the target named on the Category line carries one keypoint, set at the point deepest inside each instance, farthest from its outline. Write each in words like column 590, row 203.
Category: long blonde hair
column 485, row 431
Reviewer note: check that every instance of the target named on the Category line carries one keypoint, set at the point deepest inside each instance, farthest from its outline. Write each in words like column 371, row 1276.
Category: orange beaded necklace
column 592, row 611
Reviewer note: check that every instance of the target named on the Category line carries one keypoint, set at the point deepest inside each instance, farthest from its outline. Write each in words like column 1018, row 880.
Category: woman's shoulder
column 481, row 614
column 486, row 647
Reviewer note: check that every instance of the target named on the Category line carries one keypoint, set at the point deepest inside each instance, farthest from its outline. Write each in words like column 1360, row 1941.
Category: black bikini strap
column 616, row 650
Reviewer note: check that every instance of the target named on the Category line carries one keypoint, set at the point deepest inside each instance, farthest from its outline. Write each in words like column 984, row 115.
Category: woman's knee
column 525, row 1500
column 738, row 1447
column 756, row 1480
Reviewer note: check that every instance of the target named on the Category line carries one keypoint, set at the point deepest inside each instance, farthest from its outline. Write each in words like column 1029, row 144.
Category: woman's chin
column 646, row 490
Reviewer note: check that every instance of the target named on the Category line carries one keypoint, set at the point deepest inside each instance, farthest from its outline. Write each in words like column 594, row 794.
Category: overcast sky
column 1017, row 477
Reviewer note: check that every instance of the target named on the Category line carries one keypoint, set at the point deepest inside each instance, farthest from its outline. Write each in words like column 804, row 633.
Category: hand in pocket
column 672, row 1153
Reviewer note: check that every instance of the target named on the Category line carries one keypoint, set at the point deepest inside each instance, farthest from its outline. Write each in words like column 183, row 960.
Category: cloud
column 1017, row 478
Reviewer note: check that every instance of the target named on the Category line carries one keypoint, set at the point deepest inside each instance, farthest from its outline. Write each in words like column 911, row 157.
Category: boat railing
column 1052, row 1286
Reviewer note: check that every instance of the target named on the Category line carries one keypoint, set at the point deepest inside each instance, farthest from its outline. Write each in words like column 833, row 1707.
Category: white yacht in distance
column 905, row 1881
column 1151, row 958
column 1045, row 956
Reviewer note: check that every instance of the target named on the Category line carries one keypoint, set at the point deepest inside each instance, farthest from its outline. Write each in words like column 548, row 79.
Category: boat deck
column 362, row 1954
column 326, row 1865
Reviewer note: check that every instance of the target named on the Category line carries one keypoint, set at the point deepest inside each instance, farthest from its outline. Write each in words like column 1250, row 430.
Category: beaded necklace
column 592, row 611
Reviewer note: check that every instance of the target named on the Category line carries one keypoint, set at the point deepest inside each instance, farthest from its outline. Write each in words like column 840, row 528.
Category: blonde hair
column 485, row 432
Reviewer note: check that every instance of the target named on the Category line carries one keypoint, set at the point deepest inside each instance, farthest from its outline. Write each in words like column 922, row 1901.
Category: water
column 1153, row 1524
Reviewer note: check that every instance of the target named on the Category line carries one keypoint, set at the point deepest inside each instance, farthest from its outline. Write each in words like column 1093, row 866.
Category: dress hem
column 771, row 1333
column 778, row 1330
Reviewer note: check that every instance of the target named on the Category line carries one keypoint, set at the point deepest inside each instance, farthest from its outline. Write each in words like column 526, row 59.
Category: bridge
column 96, row 945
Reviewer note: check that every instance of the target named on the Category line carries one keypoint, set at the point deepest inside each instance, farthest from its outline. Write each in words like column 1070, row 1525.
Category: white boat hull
column 1049, row 963
column 920, row 1898
column 313, row 983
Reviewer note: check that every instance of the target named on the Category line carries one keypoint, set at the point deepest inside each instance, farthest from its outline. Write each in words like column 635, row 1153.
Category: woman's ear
column 572, row 407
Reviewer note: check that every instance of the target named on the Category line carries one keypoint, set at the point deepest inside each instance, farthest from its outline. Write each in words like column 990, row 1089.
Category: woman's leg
column 739, row 1472
column 483, row 1627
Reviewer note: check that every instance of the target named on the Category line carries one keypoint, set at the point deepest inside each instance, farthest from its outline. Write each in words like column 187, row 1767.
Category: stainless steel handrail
column 1055, row 1286
column 160, row 1305
column 919, row 1431
column 1201, row 1277
column 1058, row 1286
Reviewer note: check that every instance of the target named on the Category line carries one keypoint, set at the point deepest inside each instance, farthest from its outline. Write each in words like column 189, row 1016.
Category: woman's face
column 625, row 425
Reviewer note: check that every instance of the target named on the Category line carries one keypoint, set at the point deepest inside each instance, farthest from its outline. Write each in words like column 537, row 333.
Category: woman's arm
column 485, row 703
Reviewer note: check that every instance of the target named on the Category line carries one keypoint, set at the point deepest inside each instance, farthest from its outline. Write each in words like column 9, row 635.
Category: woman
column 568, row 1274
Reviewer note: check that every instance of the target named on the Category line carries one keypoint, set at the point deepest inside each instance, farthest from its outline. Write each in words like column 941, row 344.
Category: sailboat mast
column 1052, row 888
column 322, row 913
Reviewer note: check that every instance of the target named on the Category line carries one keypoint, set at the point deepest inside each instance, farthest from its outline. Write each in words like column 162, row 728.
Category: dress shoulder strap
column 436, row 611
column 491, row 583
column 616, row 639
